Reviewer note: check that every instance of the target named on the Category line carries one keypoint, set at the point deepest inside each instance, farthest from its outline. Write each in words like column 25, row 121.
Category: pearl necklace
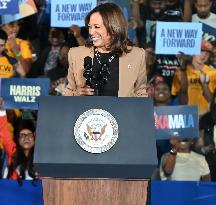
column 98, row 57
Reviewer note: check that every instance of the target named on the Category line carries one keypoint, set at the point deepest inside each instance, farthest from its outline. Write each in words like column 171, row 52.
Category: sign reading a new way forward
column 65, row 13
column 175, row 37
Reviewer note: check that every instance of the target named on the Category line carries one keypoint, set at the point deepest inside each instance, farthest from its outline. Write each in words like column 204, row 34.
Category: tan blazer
column 132, row 71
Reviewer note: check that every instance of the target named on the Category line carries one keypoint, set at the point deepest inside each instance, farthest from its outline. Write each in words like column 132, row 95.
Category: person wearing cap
column 195, row 81
column 183, row 164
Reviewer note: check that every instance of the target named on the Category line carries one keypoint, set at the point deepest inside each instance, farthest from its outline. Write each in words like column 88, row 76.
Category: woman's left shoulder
column 136, row 50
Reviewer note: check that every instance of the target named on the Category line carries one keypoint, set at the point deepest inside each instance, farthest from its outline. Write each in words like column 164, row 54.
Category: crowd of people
column 116, row 66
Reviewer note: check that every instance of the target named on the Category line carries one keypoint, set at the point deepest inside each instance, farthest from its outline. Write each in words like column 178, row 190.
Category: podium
column 114, row 175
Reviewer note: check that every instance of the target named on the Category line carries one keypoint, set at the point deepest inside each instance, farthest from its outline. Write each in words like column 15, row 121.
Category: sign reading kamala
column 23, row 93
column 181, row 121
column 65, row 13
column 9, row 7
column 175, row 37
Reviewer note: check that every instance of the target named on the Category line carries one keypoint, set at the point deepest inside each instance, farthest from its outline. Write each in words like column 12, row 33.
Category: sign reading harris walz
column 23, row 93
column 181, row 121
column 9, row 7
column 175, row 37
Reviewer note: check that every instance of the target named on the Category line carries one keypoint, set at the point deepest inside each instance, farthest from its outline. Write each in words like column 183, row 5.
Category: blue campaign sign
column 209, row 33
column 175, row 37
column 9, row 7
column 65, row 13
column 30, row 193
column 23, row 93
column 180, row 121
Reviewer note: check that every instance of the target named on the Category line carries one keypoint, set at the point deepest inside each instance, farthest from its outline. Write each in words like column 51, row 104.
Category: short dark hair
column 3, row 35
column 116, row 25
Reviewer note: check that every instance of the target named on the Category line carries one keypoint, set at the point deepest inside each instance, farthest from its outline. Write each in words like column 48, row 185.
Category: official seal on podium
column 96, row 131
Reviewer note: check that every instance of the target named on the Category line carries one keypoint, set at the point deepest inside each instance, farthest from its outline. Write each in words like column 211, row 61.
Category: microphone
column 87, row 73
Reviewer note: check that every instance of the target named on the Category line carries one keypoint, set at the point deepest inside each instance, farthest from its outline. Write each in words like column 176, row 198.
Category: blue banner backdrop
column 183, row 193
column 27, row 194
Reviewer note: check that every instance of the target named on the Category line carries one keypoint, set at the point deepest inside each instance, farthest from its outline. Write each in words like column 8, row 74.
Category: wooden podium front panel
column 94, row 192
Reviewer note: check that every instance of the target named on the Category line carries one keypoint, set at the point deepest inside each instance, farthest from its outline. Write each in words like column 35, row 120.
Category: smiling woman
column 111, row 65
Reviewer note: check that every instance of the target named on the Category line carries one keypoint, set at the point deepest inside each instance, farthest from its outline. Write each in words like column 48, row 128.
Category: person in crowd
column 155, row 11
column 183, row 164
column 199, row 79
column 206, row 143
column 7, row 64
column 43, row 22
column 20, row 150
column 137, row 11
column 153, row 78
column 204, row 14
column 212, row 59
column 178, row 10
column 162, row 97
column 147, row 12
column 163, row 10
column 49, row 55
column 18, row 49
column 58, row 74
column 74, row 37
column 111, row 66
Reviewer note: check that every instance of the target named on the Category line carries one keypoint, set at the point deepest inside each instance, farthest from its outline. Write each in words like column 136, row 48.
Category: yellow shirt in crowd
column 6, row 69
column 195, row 90
column 24, row 48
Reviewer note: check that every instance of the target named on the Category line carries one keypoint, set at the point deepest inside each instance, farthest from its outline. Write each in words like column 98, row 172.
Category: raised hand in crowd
column 183, row 92
column 76, row 31
column 18, row 48
column 181, row 158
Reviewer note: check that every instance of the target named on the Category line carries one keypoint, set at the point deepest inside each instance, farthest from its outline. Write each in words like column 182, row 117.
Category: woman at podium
column 108, row 65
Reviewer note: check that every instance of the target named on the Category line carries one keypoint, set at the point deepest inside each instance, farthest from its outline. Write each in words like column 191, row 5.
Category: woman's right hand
column 84, row 91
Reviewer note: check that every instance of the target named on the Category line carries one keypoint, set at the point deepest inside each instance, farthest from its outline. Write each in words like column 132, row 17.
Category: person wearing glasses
column 109, row 65
column 19, row 150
